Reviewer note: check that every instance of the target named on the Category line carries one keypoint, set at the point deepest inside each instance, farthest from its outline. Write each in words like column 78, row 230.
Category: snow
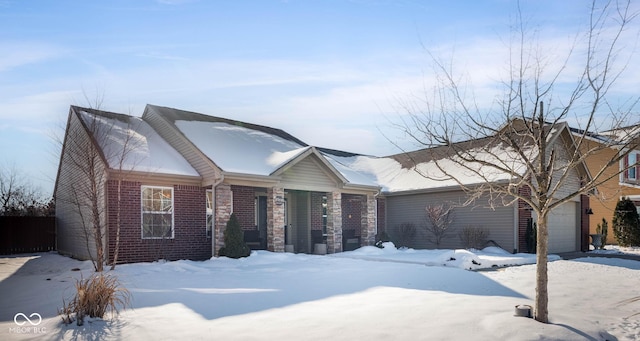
column 373, row 294
column 143, row 148
column 392, row 177
column 239, row 149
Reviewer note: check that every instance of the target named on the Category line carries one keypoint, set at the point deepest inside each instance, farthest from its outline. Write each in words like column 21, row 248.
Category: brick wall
column 244, row 206
column 190, row 239
column 351, row 212
column 524, row 214
column 316, row 210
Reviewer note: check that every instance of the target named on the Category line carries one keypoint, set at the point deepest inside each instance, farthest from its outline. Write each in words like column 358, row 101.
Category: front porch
column 279, row 219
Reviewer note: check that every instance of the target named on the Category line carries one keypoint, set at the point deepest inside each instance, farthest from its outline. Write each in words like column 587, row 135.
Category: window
column 157, row 212
column 209, row 212
column 632, row 158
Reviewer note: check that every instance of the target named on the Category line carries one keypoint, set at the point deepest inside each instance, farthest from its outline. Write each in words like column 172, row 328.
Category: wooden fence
column 27, row 234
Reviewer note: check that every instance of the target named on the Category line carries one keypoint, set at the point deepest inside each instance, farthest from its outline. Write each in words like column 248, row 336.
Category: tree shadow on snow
column 230, row 291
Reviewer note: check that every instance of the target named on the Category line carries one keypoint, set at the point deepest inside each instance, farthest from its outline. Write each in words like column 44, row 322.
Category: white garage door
column 563, row 229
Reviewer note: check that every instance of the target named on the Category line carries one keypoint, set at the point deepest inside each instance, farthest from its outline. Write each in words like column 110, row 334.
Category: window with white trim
column 632, row 159
column 209, row 212
column 157, row 212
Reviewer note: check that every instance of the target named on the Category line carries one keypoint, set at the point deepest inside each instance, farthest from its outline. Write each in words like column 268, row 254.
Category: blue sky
column 330, row 72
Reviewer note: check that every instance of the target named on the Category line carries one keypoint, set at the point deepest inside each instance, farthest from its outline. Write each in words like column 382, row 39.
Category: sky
column 333, row 73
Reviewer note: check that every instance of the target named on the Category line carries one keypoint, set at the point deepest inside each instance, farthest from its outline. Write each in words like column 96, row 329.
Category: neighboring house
column 624, row 177
column 184, row 173
column 407, row 193
column 189, row 172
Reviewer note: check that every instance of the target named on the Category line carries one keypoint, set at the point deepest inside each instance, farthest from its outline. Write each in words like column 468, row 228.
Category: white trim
column 173, row 225
column 213, row 214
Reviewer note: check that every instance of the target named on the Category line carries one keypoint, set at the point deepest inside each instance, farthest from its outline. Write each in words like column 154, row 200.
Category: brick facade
column 189, row 213
column 524, row 214
column 316, row 211
column 351, row 213
column 244, row 206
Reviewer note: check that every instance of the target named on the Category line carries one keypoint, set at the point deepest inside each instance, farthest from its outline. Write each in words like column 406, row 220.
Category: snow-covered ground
column 367, row 294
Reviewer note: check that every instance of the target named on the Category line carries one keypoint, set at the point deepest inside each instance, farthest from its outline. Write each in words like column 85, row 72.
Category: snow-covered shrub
column 234, row 245
column 382, row 238
column 474, row 237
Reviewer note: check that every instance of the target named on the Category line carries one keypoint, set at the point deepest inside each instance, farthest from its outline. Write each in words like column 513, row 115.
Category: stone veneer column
column 275, row 219
column 368, row 221
column 222, row 213
column 334, row 222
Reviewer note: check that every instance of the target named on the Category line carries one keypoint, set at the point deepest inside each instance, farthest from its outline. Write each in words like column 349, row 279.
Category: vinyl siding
column 72, row 182
column 309, row 175
column 411, row 209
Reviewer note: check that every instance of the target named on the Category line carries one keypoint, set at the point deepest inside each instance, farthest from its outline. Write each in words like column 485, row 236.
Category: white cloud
column 16, row 54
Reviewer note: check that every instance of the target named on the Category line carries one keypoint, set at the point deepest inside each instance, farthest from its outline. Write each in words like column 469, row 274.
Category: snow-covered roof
column 238, row 149
column 392, row 176
column 133, row 141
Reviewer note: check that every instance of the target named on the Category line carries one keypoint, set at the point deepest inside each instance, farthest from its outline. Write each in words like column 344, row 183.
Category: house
column 623, row 178
column 179, row 176
column 411, row 181
column 172, row 178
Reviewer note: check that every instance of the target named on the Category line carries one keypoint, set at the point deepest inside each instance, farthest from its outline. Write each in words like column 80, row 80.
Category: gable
column 309, row 174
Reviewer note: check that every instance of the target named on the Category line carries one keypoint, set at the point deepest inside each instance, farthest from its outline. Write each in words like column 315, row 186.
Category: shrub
column 234, row 245
column 531, row 235
column 603, row 229
column 626, row 227
column 406, row 234
column 94, row 297
column 382, row 238
column 474, row 237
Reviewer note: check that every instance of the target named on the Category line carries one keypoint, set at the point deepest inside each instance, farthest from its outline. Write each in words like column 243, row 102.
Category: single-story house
column 172, row 178
column 411, row 181
column 182, row 174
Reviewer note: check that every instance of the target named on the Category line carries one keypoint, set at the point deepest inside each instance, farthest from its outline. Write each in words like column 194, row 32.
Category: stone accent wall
column 244, row 206
column 190, row 237
column 275, row 219
column 368, row 219
column 222, row 213
column 334, row 222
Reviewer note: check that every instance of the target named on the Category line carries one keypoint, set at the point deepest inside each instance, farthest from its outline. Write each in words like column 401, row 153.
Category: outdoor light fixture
column 588, row 211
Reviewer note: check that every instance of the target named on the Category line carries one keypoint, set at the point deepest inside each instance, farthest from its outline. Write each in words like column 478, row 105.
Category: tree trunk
column 117, row 246
column 542, row 279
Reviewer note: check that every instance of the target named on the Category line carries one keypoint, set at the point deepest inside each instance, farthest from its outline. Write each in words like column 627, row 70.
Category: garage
column 563, row 228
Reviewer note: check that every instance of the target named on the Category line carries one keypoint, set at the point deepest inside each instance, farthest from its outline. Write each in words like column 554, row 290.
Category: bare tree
column 498, row 153
column 439, row 220
column 18, row 196
column 98, row 147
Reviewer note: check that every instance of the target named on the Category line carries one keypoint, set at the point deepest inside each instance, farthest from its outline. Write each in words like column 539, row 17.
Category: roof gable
column 128, row 143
